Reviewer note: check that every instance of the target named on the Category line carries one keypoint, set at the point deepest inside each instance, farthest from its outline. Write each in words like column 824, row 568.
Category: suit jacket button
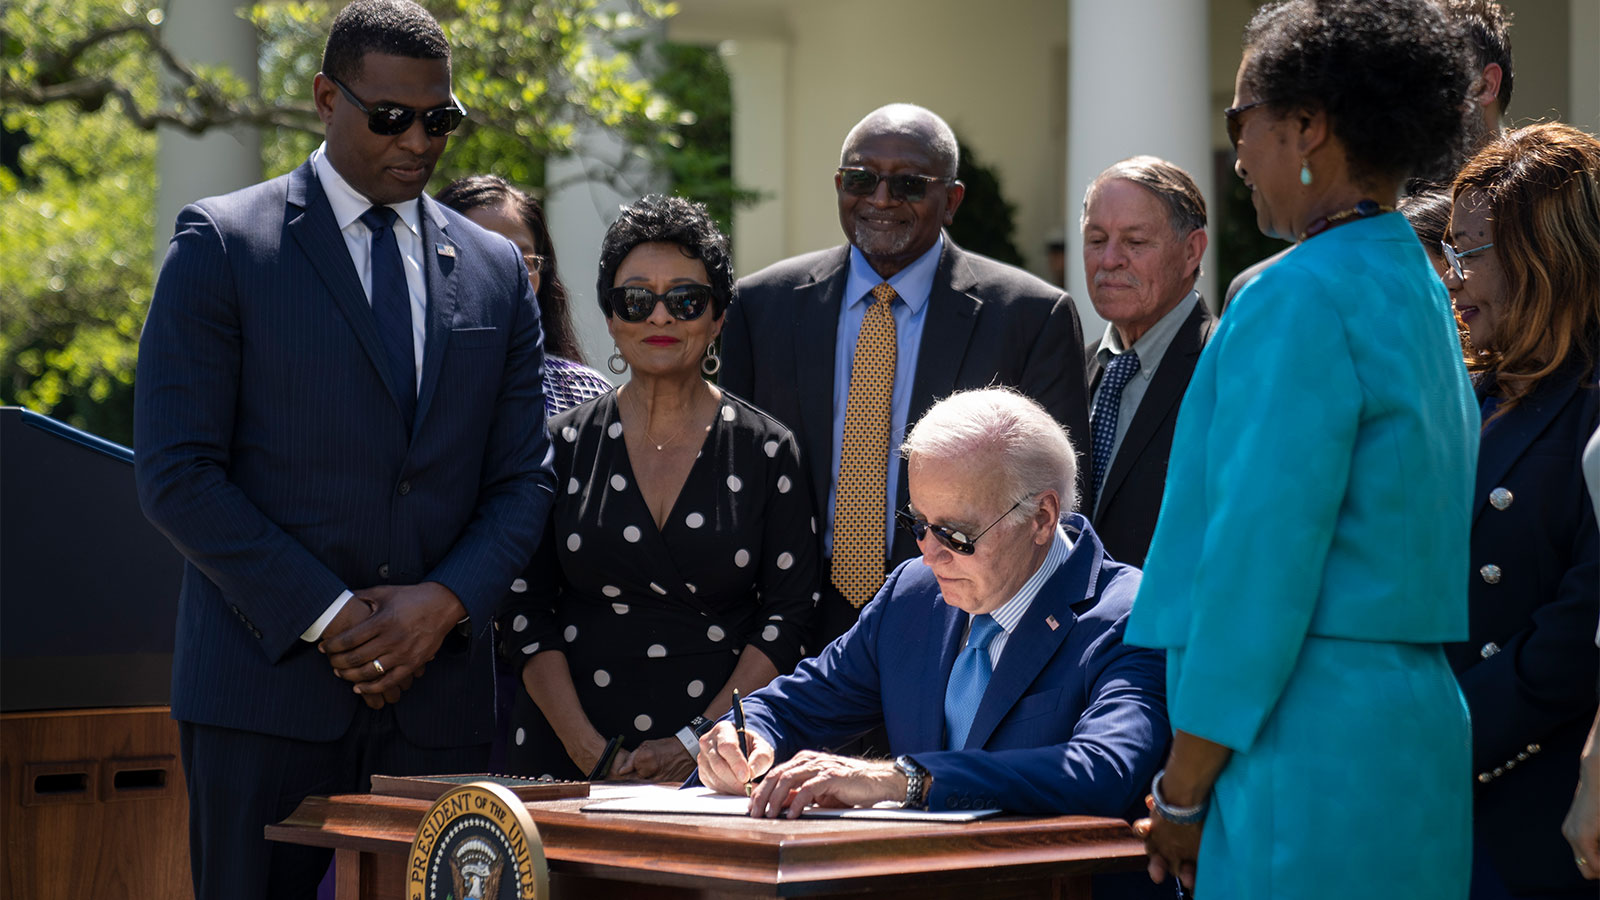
column 1490, row 573
column 1500, row 498
column 383, row 571
column 405, row 488
column 1489, row 650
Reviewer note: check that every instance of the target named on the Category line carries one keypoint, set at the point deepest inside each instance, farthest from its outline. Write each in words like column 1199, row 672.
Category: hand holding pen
column 727, row 769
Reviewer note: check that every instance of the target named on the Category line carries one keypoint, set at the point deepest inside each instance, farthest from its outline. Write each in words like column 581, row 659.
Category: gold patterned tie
column 860, row 507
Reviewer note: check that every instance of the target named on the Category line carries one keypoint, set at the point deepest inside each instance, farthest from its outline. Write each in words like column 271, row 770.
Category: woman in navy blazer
column 1525, row 279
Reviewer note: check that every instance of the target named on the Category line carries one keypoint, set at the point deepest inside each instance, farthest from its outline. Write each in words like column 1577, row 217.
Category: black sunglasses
column 389, row 119
column 635, row 304
column 909, row 187
column 957, row 541
column 1235, row 123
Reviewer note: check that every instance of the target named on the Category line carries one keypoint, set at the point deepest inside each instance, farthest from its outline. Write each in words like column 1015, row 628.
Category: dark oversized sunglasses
column 389, row 119
column 1234, row 116
column 635, row 304
column 909, row 187
column 957, row 541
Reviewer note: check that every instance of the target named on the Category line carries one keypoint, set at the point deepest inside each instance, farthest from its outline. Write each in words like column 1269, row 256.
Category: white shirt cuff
column 314, row 633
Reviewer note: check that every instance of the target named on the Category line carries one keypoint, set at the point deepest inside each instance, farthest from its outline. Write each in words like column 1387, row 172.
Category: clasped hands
column 384, row 636
column 808, row 779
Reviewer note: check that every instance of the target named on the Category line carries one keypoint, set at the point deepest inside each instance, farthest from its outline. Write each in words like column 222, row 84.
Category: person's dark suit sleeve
column 184, row 395
column 738, row 363
column 518, row 483
column 1104, row 769
column 831, row 697
column 1054, row 376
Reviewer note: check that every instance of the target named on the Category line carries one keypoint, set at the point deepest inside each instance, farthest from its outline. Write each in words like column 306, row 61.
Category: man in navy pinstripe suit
column 339, row 423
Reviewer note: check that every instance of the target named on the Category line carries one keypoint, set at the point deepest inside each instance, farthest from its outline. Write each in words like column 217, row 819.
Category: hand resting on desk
column 808, row 779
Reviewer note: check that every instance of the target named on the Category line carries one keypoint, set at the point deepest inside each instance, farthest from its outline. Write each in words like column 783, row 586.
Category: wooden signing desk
column 625, row 856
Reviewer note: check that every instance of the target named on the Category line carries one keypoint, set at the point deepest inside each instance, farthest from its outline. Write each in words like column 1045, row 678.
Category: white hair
column 999, row 428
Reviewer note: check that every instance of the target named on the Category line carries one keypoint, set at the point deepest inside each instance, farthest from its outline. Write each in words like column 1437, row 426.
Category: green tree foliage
column 986, row 221
column 83, row 99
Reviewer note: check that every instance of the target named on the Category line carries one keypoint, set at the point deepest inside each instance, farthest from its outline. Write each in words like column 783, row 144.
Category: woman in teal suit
column 1307, row 563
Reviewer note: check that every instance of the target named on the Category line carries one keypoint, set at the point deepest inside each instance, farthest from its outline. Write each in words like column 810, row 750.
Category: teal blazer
column 1320, row 482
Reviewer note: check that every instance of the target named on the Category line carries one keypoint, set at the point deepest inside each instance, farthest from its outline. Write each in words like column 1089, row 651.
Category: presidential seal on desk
column 477, row 843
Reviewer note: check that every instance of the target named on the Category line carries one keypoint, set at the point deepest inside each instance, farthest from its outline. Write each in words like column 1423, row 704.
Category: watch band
column 690, row 743
column 916, row 783
column 1177, row 815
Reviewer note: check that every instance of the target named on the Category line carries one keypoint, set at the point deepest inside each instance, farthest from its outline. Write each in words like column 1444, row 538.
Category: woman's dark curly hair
column 488, row 191
column 1392, row 76
column 658, row 219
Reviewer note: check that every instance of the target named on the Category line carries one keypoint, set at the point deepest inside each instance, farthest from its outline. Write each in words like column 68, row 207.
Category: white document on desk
column 655, row 799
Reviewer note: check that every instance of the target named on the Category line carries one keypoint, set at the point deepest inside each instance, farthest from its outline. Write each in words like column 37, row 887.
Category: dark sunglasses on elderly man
column 635, row 304
column 957, row 541
column 908, row 187
column 390, row 119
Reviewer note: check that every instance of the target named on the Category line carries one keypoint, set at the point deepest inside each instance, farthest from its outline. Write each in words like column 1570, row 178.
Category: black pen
column 738, row 725
column 606, row 756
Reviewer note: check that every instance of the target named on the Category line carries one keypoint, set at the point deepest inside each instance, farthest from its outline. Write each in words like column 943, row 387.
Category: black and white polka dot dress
column 652, row 621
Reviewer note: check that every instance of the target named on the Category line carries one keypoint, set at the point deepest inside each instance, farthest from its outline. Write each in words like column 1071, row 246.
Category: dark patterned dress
column 653, row 620
column 568, row 384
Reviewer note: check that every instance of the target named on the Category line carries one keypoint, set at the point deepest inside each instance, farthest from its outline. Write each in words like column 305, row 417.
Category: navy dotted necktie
column 1107, row 406
column 969, row 678
column 391, row 305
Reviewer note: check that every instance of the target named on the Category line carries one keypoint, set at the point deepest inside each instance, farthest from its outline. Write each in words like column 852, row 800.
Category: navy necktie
column 1107, row 406
column 969, row 678
column 391, row 306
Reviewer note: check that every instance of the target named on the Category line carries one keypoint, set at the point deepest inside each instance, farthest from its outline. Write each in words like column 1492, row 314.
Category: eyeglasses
column 1454, row 256
column 533, row 261
column 685, row 302
column 1235, row 121
column 908, row 187
column 389, row 119
column 957, row 541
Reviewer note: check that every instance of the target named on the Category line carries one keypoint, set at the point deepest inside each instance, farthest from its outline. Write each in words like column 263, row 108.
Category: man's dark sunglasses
column 635, row 304
column 389, row 119
column 1235, row 122
column 957, row 541
column 909, row 187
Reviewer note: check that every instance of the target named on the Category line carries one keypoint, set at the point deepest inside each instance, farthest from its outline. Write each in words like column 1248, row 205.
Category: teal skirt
column 1358, row 786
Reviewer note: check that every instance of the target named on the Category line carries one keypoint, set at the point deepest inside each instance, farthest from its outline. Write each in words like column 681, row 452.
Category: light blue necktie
column 391, row 306
column 1107, row 406
column 968, row 680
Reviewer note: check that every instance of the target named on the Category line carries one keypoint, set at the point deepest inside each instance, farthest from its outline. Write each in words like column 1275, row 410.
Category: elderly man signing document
column 995, row 661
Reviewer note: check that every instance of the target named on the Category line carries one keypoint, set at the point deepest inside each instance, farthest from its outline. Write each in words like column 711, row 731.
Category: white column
column 1585, row 65
column 580, row 204
column 758, row 75
column 221, row 160
column 1138, row 81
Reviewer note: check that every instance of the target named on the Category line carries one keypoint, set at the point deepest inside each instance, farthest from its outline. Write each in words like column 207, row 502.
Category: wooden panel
column 704, row 857
column 93, row 805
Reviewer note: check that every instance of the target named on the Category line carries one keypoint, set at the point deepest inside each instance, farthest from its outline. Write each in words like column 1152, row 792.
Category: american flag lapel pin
column 1051, row 621
column 445, row 250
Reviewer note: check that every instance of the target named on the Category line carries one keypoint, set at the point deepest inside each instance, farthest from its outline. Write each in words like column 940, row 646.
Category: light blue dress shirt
column 914, row 284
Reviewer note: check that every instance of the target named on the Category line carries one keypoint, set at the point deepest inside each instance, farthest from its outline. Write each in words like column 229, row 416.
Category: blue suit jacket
column 1527, row 668
column 272, row 451
column 1073, row 721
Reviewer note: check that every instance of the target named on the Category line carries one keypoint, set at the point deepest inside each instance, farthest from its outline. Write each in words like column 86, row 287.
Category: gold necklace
column 659, row 445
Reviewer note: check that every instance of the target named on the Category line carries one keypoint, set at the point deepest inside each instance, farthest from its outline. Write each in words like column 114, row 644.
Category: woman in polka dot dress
column 681, row 558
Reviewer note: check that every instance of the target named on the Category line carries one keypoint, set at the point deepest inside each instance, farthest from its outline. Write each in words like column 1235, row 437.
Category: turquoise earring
column 1305, row 172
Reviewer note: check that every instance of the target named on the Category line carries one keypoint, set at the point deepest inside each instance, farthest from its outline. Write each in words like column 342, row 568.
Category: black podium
column 93, row 797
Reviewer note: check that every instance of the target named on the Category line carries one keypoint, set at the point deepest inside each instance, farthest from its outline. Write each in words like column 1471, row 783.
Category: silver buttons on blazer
column 1508, row 765
column 1489, row 650
column 1490, row 573
column 1500, row 498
